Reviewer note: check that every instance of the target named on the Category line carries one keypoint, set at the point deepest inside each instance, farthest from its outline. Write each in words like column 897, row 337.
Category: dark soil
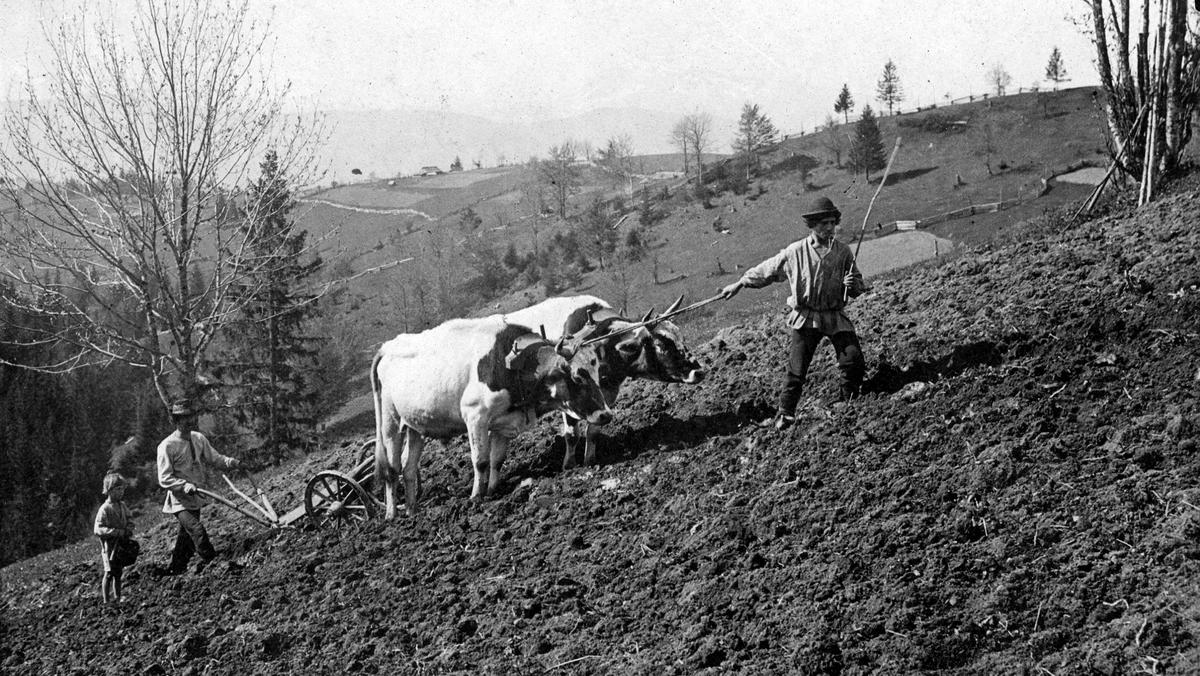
column 1017, row 493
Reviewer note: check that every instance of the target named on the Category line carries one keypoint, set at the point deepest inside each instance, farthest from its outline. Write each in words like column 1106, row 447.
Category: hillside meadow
column 1014, row 493
column 943, row 165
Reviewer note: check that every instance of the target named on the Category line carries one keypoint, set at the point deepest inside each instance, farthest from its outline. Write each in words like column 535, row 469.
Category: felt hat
column 819, row 208
column 182, row 408
column 111, row 481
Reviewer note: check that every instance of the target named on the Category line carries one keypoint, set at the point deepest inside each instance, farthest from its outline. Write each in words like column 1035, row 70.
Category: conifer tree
column 270, row 353
column 888, row 91
column 866, row 148
column 844, row 103
column 1056, row 72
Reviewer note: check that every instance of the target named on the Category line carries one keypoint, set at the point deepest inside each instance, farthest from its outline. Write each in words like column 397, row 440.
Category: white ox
column 654, row 352
column 487, row 377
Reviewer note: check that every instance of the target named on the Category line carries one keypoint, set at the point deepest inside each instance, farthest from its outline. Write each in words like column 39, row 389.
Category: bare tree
column 558, row 173
column 985, row 142
column 616, row 159
column 584, row 148
column 157, row 127
column 755, row 132
column 698, row 131
column 679, row 137
column 1156, row 79
column 999, row 79
column 835, row 140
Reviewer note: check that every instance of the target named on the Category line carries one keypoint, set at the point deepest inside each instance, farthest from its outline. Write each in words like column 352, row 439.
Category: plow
column 332, row 499
column 336, row 499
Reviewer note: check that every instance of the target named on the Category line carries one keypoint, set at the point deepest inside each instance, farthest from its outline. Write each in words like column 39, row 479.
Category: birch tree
column 1149, row 68
column 127, row 179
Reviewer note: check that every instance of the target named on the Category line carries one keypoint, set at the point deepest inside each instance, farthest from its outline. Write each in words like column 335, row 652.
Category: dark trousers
column 191, row 539
column 804, row 345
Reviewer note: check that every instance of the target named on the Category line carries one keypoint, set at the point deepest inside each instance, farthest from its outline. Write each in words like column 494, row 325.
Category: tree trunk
column 1176, row 22
column 1104, row 69
column 273, row 365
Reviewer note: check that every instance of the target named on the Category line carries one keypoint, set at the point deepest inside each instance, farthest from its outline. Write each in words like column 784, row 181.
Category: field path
column 370, row 210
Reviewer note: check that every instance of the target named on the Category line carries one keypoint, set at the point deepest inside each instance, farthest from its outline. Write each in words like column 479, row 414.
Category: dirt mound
column 1016, row 493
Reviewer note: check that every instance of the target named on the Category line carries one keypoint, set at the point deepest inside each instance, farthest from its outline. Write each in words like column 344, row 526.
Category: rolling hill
column 1015, row 493
column 388, row 143
column 696, row 249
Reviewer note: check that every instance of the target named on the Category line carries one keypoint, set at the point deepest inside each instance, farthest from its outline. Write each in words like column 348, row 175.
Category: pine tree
column 866, row 148
column 888, row 91
column 1056, row 72
column 270, row 354
column 844, row 103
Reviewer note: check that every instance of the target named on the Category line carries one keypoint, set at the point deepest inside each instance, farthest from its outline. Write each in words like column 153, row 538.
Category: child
column 113, row 522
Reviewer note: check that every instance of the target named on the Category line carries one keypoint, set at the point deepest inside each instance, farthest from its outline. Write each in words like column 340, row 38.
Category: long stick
column 867, row 216
column 1095, row 195
column 637, row 325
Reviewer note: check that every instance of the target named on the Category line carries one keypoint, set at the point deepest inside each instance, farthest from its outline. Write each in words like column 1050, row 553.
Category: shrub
column 933, row 122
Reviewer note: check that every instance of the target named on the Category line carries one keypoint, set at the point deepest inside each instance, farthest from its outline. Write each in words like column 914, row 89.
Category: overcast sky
column 525, row 60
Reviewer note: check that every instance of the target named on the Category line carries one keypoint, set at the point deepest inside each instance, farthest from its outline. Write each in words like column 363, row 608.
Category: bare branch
column 128, row 182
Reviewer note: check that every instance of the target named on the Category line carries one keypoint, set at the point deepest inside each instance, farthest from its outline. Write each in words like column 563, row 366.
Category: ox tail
column 383, row 469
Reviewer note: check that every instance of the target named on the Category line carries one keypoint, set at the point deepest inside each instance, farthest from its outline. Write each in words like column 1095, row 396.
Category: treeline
column 64, row 424
column 56, row 437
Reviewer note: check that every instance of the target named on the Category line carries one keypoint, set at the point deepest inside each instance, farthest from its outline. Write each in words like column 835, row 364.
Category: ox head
column 572, row 376
column 657, row 350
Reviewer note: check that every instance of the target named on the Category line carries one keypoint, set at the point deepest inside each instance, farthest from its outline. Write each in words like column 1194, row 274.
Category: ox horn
column 563, row 349
column 591, row 318
column 646, row 317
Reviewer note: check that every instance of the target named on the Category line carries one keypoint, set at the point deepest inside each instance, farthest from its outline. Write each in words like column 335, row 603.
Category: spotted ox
column 654, row 352
column 487, row 377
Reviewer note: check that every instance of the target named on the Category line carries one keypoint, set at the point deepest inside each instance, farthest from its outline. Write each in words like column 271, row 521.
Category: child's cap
column 111, row 481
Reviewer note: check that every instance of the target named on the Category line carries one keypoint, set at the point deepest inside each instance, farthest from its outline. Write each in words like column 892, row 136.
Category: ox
column 654, row 352
column 486, row 377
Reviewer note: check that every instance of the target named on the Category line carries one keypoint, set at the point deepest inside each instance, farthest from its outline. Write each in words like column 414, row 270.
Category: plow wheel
column 332, row 499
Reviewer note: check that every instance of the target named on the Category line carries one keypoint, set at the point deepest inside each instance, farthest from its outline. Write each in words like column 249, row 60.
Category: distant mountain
column 390, row 142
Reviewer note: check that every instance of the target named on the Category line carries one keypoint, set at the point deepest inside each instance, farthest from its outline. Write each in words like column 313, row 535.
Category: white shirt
column 181, row 464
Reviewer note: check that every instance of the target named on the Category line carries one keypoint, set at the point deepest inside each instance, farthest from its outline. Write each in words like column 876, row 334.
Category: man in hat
column 821, row 275
column 182, row 460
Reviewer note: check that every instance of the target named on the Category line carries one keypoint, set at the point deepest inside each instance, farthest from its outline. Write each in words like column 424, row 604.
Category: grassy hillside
column 1016, row 493
column 1034, row 136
